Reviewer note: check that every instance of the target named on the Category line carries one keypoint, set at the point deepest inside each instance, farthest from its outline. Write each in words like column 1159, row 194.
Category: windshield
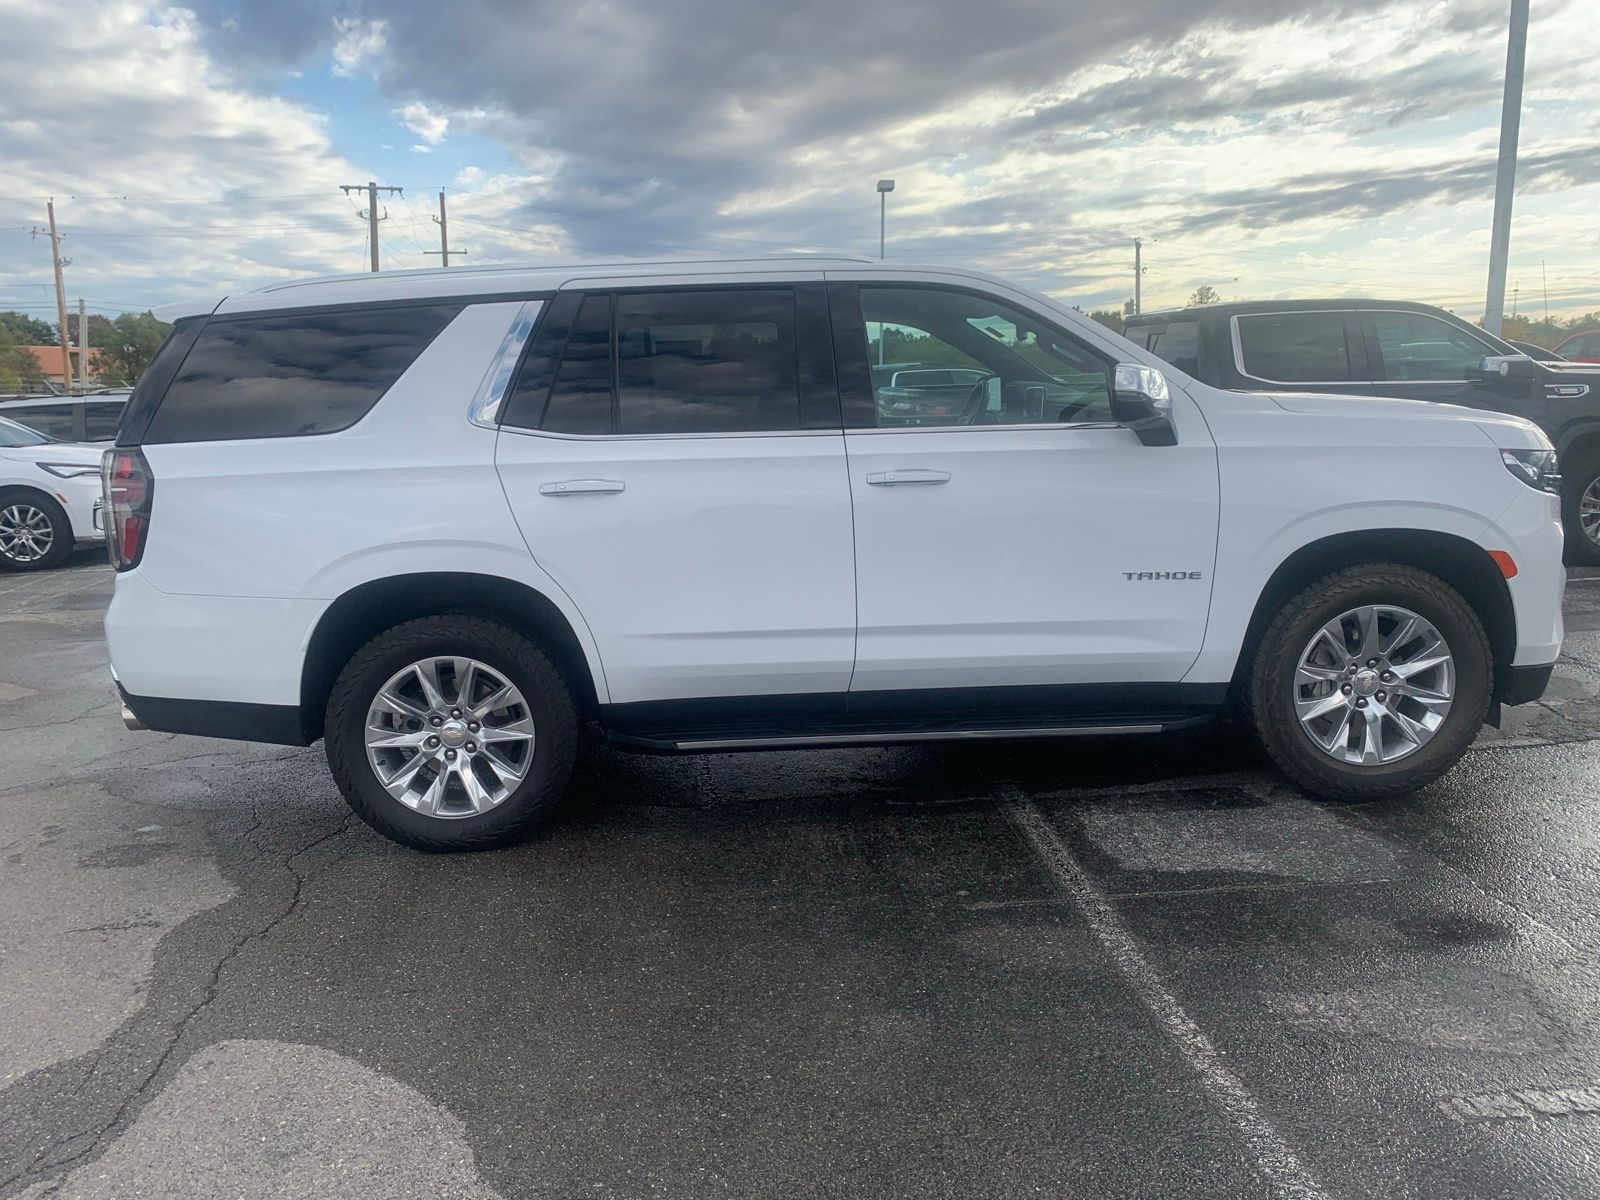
column 13, row 435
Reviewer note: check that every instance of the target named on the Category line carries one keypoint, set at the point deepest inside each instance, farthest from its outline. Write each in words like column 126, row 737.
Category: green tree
column 1204, row 294
column 29, row 331
column 19, row 370
column 1109, row 317
column 129, row 344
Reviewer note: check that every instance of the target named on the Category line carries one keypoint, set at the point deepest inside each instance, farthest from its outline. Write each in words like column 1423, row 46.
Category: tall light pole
column 1506, row 174
column 885, row 186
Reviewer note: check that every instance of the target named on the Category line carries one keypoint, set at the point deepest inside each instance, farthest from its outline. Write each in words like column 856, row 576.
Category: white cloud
column 357, row 44
column 421, row 120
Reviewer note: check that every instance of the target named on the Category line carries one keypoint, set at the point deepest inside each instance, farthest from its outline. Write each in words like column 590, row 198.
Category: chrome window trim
column 485, row 409
column 986, row 428
column 669, row 437
column 784, row 433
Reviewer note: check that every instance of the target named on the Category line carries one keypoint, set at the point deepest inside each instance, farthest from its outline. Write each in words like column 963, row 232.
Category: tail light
column 128, row 488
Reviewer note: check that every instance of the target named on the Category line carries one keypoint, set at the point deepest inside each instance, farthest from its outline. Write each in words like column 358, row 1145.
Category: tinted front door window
column 1416, row 346
column 1013, row 369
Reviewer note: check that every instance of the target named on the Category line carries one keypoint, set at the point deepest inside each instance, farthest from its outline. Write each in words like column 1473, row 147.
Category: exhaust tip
column 130, row 720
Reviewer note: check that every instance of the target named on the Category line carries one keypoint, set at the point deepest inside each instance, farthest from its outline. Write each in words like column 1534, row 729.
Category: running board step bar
column 710, row 742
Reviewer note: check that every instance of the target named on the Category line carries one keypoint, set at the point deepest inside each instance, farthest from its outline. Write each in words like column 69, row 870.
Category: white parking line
column 1274, row 1158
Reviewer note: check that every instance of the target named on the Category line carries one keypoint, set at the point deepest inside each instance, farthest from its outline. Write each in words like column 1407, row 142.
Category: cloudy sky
column 1266, row 147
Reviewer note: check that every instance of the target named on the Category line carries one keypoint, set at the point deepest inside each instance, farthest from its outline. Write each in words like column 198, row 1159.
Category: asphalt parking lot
column 1133, row 969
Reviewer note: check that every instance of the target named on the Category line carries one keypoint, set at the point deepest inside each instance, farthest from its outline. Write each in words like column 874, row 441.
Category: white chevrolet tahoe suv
column 445, row 520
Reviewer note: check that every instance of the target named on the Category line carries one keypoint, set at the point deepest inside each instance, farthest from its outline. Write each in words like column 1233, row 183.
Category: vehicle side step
column 737, row 740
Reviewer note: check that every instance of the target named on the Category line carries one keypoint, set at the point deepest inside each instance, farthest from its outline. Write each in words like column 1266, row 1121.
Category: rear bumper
column 275, row 723
column 1523, row 685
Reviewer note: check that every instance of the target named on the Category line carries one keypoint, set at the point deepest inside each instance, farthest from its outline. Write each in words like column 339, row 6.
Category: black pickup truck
column 1394, row 348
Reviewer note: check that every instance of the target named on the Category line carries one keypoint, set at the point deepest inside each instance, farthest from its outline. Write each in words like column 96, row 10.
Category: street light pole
column 1506, row 173
column 885, row 186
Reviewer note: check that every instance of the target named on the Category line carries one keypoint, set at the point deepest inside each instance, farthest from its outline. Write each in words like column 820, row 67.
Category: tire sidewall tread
column 1268, row 692
column 60, row 549
column 503, row 649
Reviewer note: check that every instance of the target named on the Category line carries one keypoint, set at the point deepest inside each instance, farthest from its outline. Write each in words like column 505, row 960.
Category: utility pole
column 372, row 190
column 1138, row 272
column 57, row 262
column 83, row 345
column 1506, row 173
column 444, row 250
column 885, row 186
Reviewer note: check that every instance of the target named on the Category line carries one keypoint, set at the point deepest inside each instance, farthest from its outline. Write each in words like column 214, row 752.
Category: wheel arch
column 1463, row 564
column 1579, row 438
column 366, row 610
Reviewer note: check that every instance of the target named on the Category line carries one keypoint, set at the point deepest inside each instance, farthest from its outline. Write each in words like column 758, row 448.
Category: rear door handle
column 898, row 478
column 575, row 487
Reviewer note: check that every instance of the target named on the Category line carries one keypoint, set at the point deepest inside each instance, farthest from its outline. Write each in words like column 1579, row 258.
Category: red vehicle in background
column 1581, row 347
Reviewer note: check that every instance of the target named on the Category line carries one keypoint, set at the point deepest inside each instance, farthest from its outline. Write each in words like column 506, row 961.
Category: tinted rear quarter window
column 292, row 374
column 1305, row 347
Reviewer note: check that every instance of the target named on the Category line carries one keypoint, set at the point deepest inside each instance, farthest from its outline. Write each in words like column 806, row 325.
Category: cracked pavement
column 1138, row 968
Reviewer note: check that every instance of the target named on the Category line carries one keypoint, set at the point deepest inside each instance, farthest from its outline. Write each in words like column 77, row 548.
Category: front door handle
column 898, row 478
column 584, row 487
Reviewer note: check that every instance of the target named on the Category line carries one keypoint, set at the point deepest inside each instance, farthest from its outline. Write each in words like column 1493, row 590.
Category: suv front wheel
column 1580, row 509
column 451, row 733
column 1371, row 682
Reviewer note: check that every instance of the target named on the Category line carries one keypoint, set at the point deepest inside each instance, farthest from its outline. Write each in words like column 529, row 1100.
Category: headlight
column 1536, row 468
column 68, row 470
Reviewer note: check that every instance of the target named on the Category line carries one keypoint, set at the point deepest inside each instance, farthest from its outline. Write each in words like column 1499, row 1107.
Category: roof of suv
column 429, row 283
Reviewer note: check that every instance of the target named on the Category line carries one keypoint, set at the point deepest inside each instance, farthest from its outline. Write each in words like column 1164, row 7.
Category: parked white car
column 440, row 519
column 49, row 498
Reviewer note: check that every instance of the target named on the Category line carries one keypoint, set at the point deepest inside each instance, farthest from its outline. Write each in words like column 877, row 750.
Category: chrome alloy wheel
column 1374, row 685
column 26, row 533
column 449, row 737
column 1589, row 511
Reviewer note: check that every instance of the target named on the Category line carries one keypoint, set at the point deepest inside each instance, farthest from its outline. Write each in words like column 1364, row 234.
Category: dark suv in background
column 1394, row 348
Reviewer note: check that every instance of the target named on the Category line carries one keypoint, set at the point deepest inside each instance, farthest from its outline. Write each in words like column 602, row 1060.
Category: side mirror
column 1141, row 402
column 1507, row 366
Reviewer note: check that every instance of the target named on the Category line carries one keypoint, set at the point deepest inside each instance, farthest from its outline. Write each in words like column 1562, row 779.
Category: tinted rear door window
column 292, row 374
column 707, row 362
column 1304, row 347
column 100, row 421
column 1178, row 342
column 52, row 420
column 580, row 401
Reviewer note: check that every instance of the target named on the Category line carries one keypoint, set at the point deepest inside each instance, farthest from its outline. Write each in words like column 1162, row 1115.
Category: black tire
column 550, row 706
column 1576, row 477
column 60, row 530
column 1269, row 685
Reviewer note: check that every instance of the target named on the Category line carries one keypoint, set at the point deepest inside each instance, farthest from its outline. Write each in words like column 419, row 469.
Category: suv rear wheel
column 35, row 534
column 451, row 733
column 1371, row 682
